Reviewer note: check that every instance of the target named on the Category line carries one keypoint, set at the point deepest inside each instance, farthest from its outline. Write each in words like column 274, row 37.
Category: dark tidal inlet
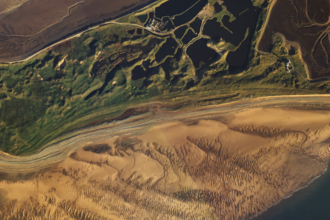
column 310, row 203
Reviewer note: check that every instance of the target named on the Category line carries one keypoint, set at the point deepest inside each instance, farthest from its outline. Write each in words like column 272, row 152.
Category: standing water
column 310, row 203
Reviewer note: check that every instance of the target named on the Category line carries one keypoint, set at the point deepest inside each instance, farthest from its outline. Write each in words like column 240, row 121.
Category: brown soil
column 48, row 21
column 202, row 169
column 307, row 24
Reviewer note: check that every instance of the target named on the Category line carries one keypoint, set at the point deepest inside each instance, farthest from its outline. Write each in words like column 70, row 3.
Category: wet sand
column 22, row 38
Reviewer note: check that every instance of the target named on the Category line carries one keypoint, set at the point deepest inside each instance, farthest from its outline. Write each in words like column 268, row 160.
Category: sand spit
column 230, row 161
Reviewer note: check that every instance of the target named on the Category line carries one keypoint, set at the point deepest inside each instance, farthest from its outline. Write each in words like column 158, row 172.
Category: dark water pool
column 180, row 31
column 217, row 7
column 213, row 29
column 169, row 25
column 131, row 32
column 188, row 37
column 190, row 14
column 200, row 54
column 196, row 25
column 168, row 48
column 173, row 7
column 139, row 31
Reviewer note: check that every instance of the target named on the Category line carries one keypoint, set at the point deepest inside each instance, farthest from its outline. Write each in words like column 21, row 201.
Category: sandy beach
column 230, row 161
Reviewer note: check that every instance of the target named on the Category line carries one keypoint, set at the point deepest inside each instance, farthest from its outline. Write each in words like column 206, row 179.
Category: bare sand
column 220, row 162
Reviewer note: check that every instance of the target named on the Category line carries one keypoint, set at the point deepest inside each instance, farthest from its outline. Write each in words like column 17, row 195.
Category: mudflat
column 232, row 161
column 28, row 26
column 303, row 24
